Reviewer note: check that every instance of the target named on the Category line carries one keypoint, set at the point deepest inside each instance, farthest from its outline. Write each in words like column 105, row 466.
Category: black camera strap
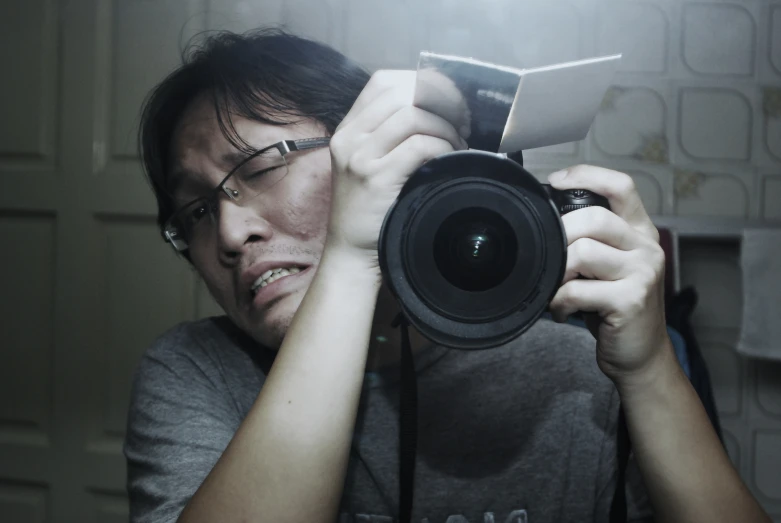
column 618, row 509
column 408, row 423
column 408, row 437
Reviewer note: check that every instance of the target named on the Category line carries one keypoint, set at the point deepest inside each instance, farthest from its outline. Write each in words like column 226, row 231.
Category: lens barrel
column 473, row 249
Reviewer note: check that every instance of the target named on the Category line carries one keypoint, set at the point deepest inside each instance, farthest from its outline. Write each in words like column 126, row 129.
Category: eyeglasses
column 258, row 172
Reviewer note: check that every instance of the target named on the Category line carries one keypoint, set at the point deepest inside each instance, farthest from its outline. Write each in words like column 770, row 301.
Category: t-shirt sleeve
column 638, row 504
column 179, row 423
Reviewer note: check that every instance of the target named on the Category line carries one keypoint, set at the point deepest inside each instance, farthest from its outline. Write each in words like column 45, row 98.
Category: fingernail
column 464, row 145
column 558, row 176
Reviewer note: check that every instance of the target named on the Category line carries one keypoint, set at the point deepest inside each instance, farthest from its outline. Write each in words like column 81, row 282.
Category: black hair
column 266, row 75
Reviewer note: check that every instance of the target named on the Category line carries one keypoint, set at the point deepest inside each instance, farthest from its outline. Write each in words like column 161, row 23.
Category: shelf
column 716, row 227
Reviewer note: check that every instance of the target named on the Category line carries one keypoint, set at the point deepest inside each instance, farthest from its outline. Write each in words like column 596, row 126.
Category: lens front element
column 475, row 249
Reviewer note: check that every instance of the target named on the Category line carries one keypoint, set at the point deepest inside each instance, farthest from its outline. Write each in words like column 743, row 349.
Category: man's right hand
column 378, row 145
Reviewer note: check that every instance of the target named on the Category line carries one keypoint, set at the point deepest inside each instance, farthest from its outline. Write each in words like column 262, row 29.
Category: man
column 274, row 160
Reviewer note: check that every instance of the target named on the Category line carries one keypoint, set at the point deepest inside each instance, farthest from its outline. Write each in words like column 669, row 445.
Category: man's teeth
column 271, row 276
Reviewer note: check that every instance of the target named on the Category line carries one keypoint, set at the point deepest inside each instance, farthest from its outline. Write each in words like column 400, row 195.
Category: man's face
column 283, row 227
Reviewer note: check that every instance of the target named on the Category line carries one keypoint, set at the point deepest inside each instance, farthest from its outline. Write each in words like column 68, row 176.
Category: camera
column 474, row 247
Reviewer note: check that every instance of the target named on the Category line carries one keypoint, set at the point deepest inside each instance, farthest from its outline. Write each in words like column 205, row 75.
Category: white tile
column 718, row 39
column 653, row 183
column 243, row 15
column 715, row 123
column 770, row 124
column 771, row 196
column 728, row 192
column 769, row 51
column 651, row 190
column 518, row 34
column 633, row 124
column 382, row 33
column 321, row 20
column 638, row 30
column 774, row 44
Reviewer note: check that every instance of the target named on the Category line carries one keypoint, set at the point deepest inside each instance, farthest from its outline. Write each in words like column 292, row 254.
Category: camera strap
column 408, row 423
column 618, row 509
column 408, row 437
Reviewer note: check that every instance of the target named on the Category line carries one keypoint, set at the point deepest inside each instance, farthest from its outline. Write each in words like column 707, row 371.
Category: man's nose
column 238, row 227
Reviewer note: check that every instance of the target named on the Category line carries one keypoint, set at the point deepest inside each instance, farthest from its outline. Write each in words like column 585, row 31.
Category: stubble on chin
column 270, row 329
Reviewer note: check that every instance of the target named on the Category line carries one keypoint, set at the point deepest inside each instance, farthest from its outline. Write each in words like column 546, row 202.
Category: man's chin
column 271, row 327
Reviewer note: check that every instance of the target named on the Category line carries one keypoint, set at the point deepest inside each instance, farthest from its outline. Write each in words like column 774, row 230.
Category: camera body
column 474, row 248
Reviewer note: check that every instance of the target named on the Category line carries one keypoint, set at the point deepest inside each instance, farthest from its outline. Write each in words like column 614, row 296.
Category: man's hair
column 266, row 75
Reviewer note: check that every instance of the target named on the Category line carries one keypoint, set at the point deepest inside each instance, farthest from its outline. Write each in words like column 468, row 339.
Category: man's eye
column 196, row 213
column 258, row 173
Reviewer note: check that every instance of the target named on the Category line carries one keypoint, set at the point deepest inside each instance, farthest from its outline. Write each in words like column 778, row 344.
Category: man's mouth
column 271, row 276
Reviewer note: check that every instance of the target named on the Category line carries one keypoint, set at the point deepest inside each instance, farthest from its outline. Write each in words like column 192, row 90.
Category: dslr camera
column 474, row 247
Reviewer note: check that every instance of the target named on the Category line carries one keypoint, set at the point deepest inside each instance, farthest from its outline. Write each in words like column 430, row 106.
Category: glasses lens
column 191, row 222
column 259, row 173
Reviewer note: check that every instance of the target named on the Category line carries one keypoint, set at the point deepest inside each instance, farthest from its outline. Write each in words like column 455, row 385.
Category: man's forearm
column 288, row 460
column 687, row 472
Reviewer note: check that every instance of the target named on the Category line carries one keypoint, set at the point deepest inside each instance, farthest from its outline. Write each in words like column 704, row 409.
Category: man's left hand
column 615, row 269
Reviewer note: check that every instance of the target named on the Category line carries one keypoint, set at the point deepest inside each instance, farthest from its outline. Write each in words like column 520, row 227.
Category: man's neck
column 385, row 342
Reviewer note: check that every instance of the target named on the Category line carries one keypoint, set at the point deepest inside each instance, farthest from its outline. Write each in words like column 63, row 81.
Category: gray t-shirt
column 522, row 433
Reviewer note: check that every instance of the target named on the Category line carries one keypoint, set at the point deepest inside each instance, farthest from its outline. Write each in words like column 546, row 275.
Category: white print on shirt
column 516, row 516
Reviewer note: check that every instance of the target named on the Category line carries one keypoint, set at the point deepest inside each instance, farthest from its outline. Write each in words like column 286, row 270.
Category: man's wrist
column 350, row 264
column 654, row 377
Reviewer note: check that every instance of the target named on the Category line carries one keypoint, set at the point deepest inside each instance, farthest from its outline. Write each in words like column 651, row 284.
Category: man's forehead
column 200, row 151
column 199, row 133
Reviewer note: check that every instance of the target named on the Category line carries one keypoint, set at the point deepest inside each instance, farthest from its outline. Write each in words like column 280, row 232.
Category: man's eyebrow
column 181, row 177
column 233, row 159
column 230, row 160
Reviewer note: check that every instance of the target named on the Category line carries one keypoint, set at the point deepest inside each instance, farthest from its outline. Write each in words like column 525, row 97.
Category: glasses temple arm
column 308, row 143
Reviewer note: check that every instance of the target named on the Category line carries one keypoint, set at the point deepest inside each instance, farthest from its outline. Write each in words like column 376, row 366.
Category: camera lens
column 475, row 249
column 472, row 249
